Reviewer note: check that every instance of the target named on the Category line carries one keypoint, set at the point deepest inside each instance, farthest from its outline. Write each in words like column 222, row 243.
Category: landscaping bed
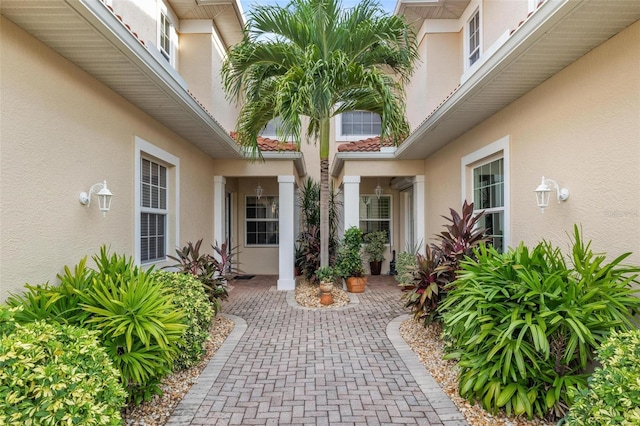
column 175, row 386
column 307, row 295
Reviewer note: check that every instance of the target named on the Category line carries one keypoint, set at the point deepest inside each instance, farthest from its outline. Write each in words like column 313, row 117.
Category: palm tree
column 314, row 59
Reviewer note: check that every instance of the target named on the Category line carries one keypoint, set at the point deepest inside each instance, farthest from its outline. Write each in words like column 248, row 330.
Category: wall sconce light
column 543, row 192
column 104, row 197
column 259, row 191
column 378, row 190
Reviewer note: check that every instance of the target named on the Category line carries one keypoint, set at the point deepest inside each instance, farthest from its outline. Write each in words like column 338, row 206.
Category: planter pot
column 326, row 298
column 356, row 284
column 375, row 267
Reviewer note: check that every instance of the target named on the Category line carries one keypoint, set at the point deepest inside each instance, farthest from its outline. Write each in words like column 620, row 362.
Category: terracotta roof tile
column 364, row 145
column 271, row 145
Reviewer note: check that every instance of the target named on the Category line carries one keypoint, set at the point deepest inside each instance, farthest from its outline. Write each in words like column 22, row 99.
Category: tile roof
column 268, row 144
column 364, row 145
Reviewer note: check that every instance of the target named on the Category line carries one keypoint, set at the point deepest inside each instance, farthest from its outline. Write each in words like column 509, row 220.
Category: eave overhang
column 93, row 38
column 556, row 35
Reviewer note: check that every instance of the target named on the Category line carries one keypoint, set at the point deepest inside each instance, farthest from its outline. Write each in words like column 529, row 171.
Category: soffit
column 90, row 36
column 227, row 16
column 416, row 11
column 559, row 33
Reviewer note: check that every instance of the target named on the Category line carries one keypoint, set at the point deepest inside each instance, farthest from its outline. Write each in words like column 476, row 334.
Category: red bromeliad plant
column 437, row 267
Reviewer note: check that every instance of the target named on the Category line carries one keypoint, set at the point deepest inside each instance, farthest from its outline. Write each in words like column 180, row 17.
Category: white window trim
column 390, row 197
column 348, row 138
column 467, row 34
column 173, row 42
column 470, row 161
column 144, row 149
column 277, row 220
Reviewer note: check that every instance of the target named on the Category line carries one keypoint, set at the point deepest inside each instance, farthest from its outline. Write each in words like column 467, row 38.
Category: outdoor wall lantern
column 259, row 191
column 543, row 193
column 104, row 197
column 378, row 190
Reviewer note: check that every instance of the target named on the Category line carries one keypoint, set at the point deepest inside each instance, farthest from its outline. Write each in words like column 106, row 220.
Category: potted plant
column 375, row 243
column 298, row 260
column 349, row 261
column 326, row 275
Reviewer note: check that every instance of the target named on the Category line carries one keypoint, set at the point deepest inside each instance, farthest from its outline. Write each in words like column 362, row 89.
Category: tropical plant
column 316, row 59
column 60, row 303
column 138, row 323
column 407, row 268
column 348, row 259
column 524, row 326
column 375, row 244
column 613, row 396
column 190, row 298
column 212, row 271
column 437, row 268
column 310, row 251
column 52, row 374
column 326, row 274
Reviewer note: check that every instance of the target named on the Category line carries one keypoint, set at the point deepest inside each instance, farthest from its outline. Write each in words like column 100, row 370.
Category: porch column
column 351, row 185
column 286, row 195
column 219, row 199
column 418, row 211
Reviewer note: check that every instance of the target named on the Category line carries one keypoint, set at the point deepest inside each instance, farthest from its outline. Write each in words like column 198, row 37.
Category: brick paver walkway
column 314, row 367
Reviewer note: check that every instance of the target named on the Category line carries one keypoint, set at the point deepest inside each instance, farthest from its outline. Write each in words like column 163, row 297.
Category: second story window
column 165, row 36
column 355, row 125
column 474, row 38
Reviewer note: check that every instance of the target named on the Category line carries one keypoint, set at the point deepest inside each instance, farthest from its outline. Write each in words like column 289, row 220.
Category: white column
column 286, row 195
column 351, row 185
column 418, row 211
column 219, row 199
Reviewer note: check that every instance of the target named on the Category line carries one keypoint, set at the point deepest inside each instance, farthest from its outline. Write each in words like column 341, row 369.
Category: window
column 262, row 228
column 486, row 182
column 157, row 197
column 355, row 125
column 375, row 214
column 165, row 36
column 488, row 195
column 474, row 38
column 271, row 129
column 153, row 211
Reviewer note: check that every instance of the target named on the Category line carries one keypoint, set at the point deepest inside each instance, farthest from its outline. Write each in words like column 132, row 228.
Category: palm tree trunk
column 324, row 191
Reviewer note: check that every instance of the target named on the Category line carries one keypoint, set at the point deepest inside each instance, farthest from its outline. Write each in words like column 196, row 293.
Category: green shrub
column 348, row 259
column 613, row 396
column 524, row 326
column 139, row 325
column 60, row 303
column 407, row 267
column 190, row 298
column 53, row 374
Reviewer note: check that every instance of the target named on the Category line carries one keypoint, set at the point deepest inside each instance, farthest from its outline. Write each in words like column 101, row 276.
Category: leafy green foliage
column 326, row 274
column 138, row 323
column 310, row 251
column 53, row 374
column 375, row 244
column 60, row 303
column 348, row 259
column 407, row 268
column 438, row 266
column 212, row 271
column 524, row 326
column 613, row 396
column 190, row 298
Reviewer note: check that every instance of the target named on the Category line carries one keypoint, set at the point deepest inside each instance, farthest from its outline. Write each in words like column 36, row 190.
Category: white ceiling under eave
column 227, row 16
column 556, row 35
column 90, row 36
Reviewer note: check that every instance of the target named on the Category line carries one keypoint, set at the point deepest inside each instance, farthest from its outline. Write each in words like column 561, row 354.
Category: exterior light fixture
column 259, row 191
column 378, row 190
column 543, row 193
column 104, row 197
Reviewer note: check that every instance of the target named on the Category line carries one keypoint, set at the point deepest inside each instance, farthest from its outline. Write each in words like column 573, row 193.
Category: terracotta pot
column 356, row 284
column 326, row 298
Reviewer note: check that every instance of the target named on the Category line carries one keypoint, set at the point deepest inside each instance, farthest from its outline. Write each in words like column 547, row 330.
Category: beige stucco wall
column 499, row 16
column 63, row 131
column 581, row 128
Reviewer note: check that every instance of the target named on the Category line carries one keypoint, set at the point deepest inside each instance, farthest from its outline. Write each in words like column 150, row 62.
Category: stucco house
column 128, row 92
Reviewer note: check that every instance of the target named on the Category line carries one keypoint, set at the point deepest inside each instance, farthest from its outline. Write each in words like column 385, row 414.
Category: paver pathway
column 314, row 366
